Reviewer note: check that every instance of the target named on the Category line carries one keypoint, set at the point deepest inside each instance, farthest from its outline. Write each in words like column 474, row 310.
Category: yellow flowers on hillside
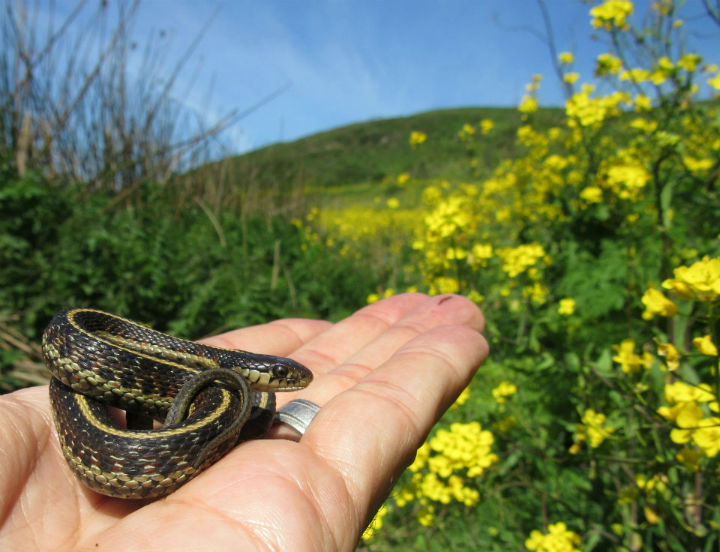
column 417, row 138
column 593, row 249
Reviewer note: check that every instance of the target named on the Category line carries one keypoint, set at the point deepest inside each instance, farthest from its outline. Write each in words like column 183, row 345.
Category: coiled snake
column 210, row 398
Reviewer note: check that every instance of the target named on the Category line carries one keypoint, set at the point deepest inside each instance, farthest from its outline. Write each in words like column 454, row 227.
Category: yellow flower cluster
column 462, row 447
column 567, row 306
column 630, row 363
column 558, row 539
column 586, row 111
column 607, row 64
column 442, row 467
column 486, row 125
column 611, row 14
column 503, row 391
column 627, row 179
column 528, row 104
column 592, row 430
column 376, row 524
column 688, row 410
column 656, row 304
column 516, row 260
column 566, row 58
column 699, row 281
column 417, row 138
column 536, row 292
column 467, row 131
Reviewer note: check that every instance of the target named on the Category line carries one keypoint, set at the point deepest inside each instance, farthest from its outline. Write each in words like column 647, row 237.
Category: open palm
column 383, row 377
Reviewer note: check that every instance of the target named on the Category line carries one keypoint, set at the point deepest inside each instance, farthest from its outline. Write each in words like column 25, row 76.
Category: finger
column 343, row 373
column 332, row 347
column 369, row 433
column 280, row 337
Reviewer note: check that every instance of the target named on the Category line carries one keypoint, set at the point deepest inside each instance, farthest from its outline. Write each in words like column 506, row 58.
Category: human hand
column 383, row 377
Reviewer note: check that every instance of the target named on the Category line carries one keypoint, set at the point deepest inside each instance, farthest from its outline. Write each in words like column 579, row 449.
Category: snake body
column 209, row 397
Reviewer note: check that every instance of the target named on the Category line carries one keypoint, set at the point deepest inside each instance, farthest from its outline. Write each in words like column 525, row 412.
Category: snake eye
column 281, row 371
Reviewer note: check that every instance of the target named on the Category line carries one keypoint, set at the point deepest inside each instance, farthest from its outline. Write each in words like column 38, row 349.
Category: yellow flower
column 558, row 539
column 480, row 253
column 466, row 131
column 637, row 75
column 516, row 260
column 475, row 296
column 536, row 292
column 715, row 81
column 707, row 437
column 656, row 304
column 462, row 447
column 486, row 125
column 643, row 125
column 565, row 58
column 393, row 203
column 567, row 306
column 672, row 357
column 421, row 458
column 571, row 78
column 402, row 178
column 627, row 179
column 689, row 62
column 592, row 194
column 701, row 280
column 455, row 253
column 705, row 345
column 504, row 390
column 698, row 165
column 607, row 64
column 444, row 284
column 376, row 523
column 643, row 103
column 462, row 398
column 612, row 13
column 592, row 429
column 431, row 196
column 528, row 104
column 680, row 392
column 631, row 363
column 417, row 137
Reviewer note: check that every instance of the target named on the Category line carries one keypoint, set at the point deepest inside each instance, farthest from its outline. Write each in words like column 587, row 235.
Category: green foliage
column 191, row 272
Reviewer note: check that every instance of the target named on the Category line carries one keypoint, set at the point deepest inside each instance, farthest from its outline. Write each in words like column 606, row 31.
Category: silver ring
column 298, row 414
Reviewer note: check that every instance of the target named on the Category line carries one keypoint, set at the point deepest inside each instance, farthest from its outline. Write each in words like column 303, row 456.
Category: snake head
column 272, row 373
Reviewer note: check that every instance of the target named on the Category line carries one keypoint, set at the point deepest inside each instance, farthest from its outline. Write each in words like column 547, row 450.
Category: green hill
column 369, row 152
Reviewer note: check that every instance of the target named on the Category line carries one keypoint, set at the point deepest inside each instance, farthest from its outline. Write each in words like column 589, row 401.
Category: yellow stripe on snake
column 209, row 397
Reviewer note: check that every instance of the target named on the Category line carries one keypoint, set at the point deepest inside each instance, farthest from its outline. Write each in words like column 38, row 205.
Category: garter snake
column 210, row 398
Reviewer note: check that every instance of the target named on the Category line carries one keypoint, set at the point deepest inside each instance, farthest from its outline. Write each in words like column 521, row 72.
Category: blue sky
column 342, row 61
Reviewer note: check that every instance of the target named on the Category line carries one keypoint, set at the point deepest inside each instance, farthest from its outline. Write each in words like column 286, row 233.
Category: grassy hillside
column 369, row 152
